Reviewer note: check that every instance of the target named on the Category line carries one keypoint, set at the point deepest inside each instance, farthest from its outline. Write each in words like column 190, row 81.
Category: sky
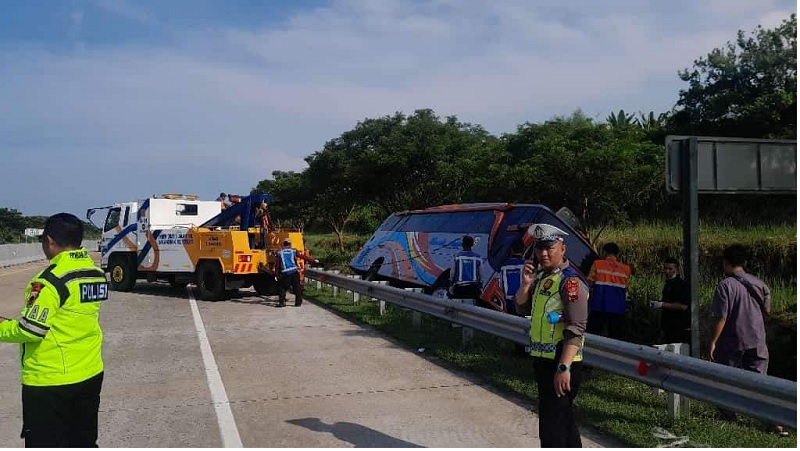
column 105, row 101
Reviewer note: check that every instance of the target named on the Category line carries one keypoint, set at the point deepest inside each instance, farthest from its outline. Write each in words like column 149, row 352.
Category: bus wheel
column 265, row 285
column 210, row 281
column 123, row 273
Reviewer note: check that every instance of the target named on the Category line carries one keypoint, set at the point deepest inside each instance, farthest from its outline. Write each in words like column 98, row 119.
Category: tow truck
column 181, row 239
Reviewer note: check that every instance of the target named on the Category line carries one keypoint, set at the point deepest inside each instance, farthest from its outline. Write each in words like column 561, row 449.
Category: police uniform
column 510, row 274
column 559, row 312
column 466, row 275
column 290, row 275
column 60, row 350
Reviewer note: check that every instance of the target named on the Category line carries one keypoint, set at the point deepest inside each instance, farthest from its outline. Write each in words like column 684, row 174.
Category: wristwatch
column 563, row 368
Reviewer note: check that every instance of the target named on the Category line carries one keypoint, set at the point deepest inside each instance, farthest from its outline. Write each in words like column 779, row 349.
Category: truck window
column 186, row 209
column 112, row 220
column 125, row 218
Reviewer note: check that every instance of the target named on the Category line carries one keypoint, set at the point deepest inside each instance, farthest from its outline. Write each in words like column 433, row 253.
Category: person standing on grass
column 674, row 305
column 61, row 341
column 609, row 280
column 740, row 304
column 559, row 311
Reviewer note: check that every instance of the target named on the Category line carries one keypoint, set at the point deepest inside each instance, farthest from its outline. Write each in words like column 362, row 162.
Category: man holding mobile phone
column 559, row 295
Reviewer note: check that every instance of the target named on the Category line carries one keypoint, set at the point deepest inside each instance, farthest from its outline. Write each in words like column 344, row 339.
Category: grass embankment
column 625, row 410
column 645, row 246
column 616, row 406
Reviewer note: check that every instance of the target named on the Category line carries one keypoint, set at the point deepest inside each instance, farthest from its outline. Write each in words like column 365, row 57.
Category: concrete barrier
column 18, row 254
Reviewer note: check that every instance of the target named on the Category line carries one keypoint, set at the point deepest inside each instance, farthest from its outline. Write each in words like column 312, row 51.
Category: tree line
column 606, row 172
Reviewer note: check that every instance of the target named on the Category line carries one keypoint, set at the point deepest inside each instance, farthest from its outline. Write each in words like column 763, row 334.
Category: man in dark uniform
column 560, row 309
column 465, row 273
column 674, row 305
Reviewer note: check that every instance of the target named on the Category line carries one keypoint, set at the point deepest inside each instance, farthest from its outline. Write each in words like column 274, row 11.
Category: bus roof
column 498, row 206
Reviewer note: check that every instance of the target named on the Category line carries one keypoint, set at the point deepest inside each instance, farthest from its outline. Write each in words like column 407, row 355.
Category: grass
column 622, row 409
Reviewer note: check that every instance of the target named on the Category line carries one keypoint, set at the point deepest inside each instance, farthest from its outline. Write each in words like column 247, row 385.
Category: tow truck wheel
column 210, row 281
column 123, row 273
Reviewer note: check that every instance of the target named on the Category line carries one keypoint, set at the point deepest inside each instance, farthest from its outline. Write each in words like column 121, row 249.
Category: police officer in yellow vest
column 60, row 341
column 558, row 320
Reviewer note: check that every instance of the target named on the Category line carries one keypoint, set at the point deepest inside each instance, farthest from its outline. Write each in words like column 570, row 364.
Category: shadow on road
column 358, row 435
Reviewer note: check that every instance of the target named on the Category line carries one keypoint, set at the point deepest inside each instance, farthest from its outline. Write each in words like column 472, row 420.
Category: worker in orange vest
column 609, row 280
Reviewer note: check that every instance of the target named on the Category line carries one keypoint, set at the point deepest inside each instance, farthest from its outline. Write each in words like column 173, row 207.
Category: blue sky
column 112, row 100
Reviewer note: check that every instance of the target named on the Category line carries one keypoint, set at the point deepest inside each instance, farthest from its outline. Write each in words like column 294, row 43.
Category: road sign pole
column 691, row 258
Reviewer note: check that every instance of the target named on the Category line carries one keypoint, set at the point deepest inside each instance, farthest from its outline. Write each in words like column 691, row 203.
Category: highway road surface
column 244, row 372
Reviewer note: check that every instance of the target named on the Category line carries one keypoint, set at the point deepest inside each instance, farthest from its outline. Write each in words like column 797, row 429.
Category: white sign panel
column 33, row 232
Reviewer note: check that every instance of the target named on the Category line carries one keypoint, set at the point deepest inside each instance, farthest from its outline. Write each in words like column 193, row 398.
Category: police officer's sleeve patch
column 571, row 287
column 94, row 291
column 36, row 288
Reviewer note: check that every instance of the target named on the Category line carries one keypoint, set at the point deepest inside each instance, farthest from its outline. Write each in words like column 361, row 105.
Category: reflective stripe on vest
column 546, row 299
column 288, row 262
column 467, row 268
column 511, row 277
column 612, row 273
column 71, row 347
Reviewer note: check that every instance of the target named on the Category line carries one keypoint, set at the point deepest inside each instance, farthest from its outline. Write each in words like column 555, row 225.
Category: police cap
column 545, row 235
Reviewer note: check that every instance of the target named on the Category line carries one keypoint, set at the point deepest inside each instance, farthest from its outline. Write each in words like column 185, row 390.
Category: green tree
column 746, row 89
column 291, row 198
column 12, row 224
column 621, row 119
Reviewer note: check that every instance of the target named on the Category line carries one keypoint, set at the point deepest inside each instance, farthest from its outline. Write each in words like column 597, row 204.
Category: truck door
column 119, row 232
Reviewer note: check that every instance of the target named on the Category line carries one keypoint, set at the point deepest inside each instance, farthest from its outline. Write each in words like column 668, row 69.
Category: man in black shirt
column 674, row 305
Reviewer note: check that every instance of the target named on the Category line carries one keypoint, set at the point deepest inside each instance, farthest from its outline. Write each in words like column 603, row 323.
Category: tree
column 621, row 119
column 746, row 89
column 12, row 224
column 291, row 198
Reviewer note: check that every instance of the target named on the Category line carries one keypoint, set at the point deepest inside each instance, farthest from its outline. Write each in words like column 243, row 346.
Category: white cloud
column 231, row 105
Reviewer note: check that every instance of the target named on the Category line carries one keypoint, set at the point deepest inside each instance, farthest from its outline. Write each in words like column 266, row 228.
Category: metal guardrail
column 765, row 397
column 21, row 253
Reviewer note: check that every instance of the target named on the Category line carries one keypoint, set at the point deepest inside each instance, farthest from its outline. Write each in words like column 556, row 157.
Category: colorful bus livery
column 416, row 248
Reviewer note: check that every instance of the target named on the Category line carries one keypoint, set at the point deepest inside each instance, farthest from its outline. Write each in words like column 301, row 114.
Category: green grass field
column 624, row 410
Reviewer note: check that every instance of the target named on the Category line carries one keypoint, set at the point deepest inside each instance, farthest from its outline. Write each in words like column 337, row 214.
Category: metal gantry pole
column 691, row 244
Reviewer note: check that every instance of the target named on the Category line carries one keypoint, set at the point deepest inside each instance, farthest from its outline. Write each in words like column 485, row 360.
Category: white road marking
column 222, row 407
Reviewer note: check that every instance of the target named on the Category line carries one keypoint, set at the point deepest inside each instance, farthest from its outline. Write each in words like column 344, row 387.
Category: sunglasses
column 42, row 238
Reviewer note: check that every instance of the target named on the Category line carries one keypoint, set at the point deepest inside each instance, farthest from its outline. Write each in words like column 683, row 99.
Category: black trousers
column 676, row 335
column 615, row 322
column 472, row 291
column 557, row 427
column 290, row 280
column 61, row 415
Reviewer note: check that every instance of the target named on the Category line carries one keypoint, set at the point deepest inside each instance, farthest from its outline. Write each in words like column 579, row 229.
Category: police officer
column 290, row 274
column 558, row 320
column 465, row 273
column 60, row 341
column 510, row 274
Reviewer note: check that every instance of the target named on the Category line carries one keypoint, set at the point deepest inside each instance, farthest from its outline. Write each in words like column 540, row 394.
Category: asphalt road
column 243, row 372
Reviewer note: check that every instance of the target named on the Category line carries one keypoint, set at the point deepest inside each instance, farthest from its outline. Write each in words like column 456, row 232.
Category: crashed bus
column 415, row 249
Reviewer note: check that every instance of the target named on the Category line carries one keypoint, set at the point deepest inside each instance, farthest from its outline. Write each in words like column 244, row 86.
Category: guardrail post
column 335, row 287
column 677, row 405
column 467, row 333
column 416, row 317
column 382, row 302
column 355, row 295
